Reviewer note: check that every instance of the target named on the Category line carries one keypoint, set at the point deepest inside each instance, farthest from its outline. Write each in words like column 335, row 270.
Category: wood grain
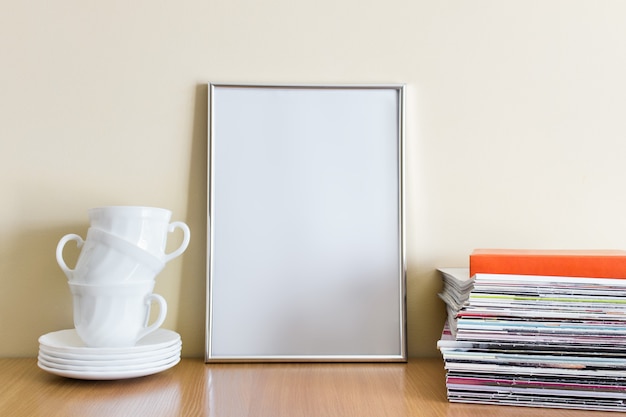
column 193, row 388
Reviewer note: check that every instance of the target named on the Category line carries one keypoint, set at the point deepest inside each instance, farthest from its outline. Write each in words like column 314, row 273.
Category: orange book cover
column 570, row 263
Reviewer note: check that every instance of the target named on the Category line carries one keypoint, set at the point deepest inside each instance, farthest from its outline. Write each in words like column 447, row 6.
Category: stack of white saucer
column 112, row 286
column 64, row 353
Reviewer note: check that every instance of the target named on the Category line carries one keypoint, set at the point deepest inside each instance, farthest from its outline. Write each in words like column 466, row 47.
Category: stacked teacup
column 113, row 280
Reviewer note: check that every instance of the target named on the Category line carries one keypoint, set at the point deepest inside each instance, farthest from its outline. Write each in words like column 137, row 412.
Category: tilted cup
column 146, row 227
column 115, row 315
column 105, row 259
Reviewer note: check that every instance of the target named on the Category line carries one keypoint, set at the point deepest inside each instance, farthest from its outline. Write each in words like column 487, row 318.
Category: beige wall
column 516, row 131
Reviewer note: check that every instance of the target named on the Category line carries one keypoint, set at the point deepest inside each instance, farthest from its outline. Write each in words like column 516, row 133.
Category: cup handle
column 59, row 254
column 161, row 317
column 183, row 246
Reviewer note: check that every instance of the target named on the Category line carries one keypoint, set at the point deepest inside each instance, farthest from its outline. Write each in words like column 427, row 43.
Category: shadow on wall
column 35, row 294
column 191, row 316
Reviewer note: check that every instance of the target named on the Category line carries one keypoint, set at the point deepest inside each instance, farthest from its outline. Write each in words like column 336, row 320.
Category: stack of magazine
column 535, row 340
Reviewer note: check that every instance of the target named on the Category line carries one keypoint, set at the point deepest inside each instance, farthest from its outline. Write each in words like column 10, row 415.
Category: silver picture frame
column 305, row 239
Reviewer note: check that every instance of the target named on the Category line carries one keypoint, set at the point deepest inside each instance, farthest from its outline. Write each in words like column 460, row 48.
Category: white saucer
column 68, row 341
column 109, row 368
column 146, row 358
column 95, row 357
column 109, row 375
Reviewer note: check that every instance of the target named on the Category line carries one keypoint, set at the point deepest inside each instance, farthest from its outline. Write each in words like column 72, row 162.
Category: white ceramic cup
column 115, row 315
column 107, row 259
column 146, row 227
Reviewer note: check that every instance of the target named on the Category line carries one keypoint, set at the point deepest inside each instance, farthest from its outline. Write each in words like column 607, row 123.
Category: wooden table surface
column 193, row 388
